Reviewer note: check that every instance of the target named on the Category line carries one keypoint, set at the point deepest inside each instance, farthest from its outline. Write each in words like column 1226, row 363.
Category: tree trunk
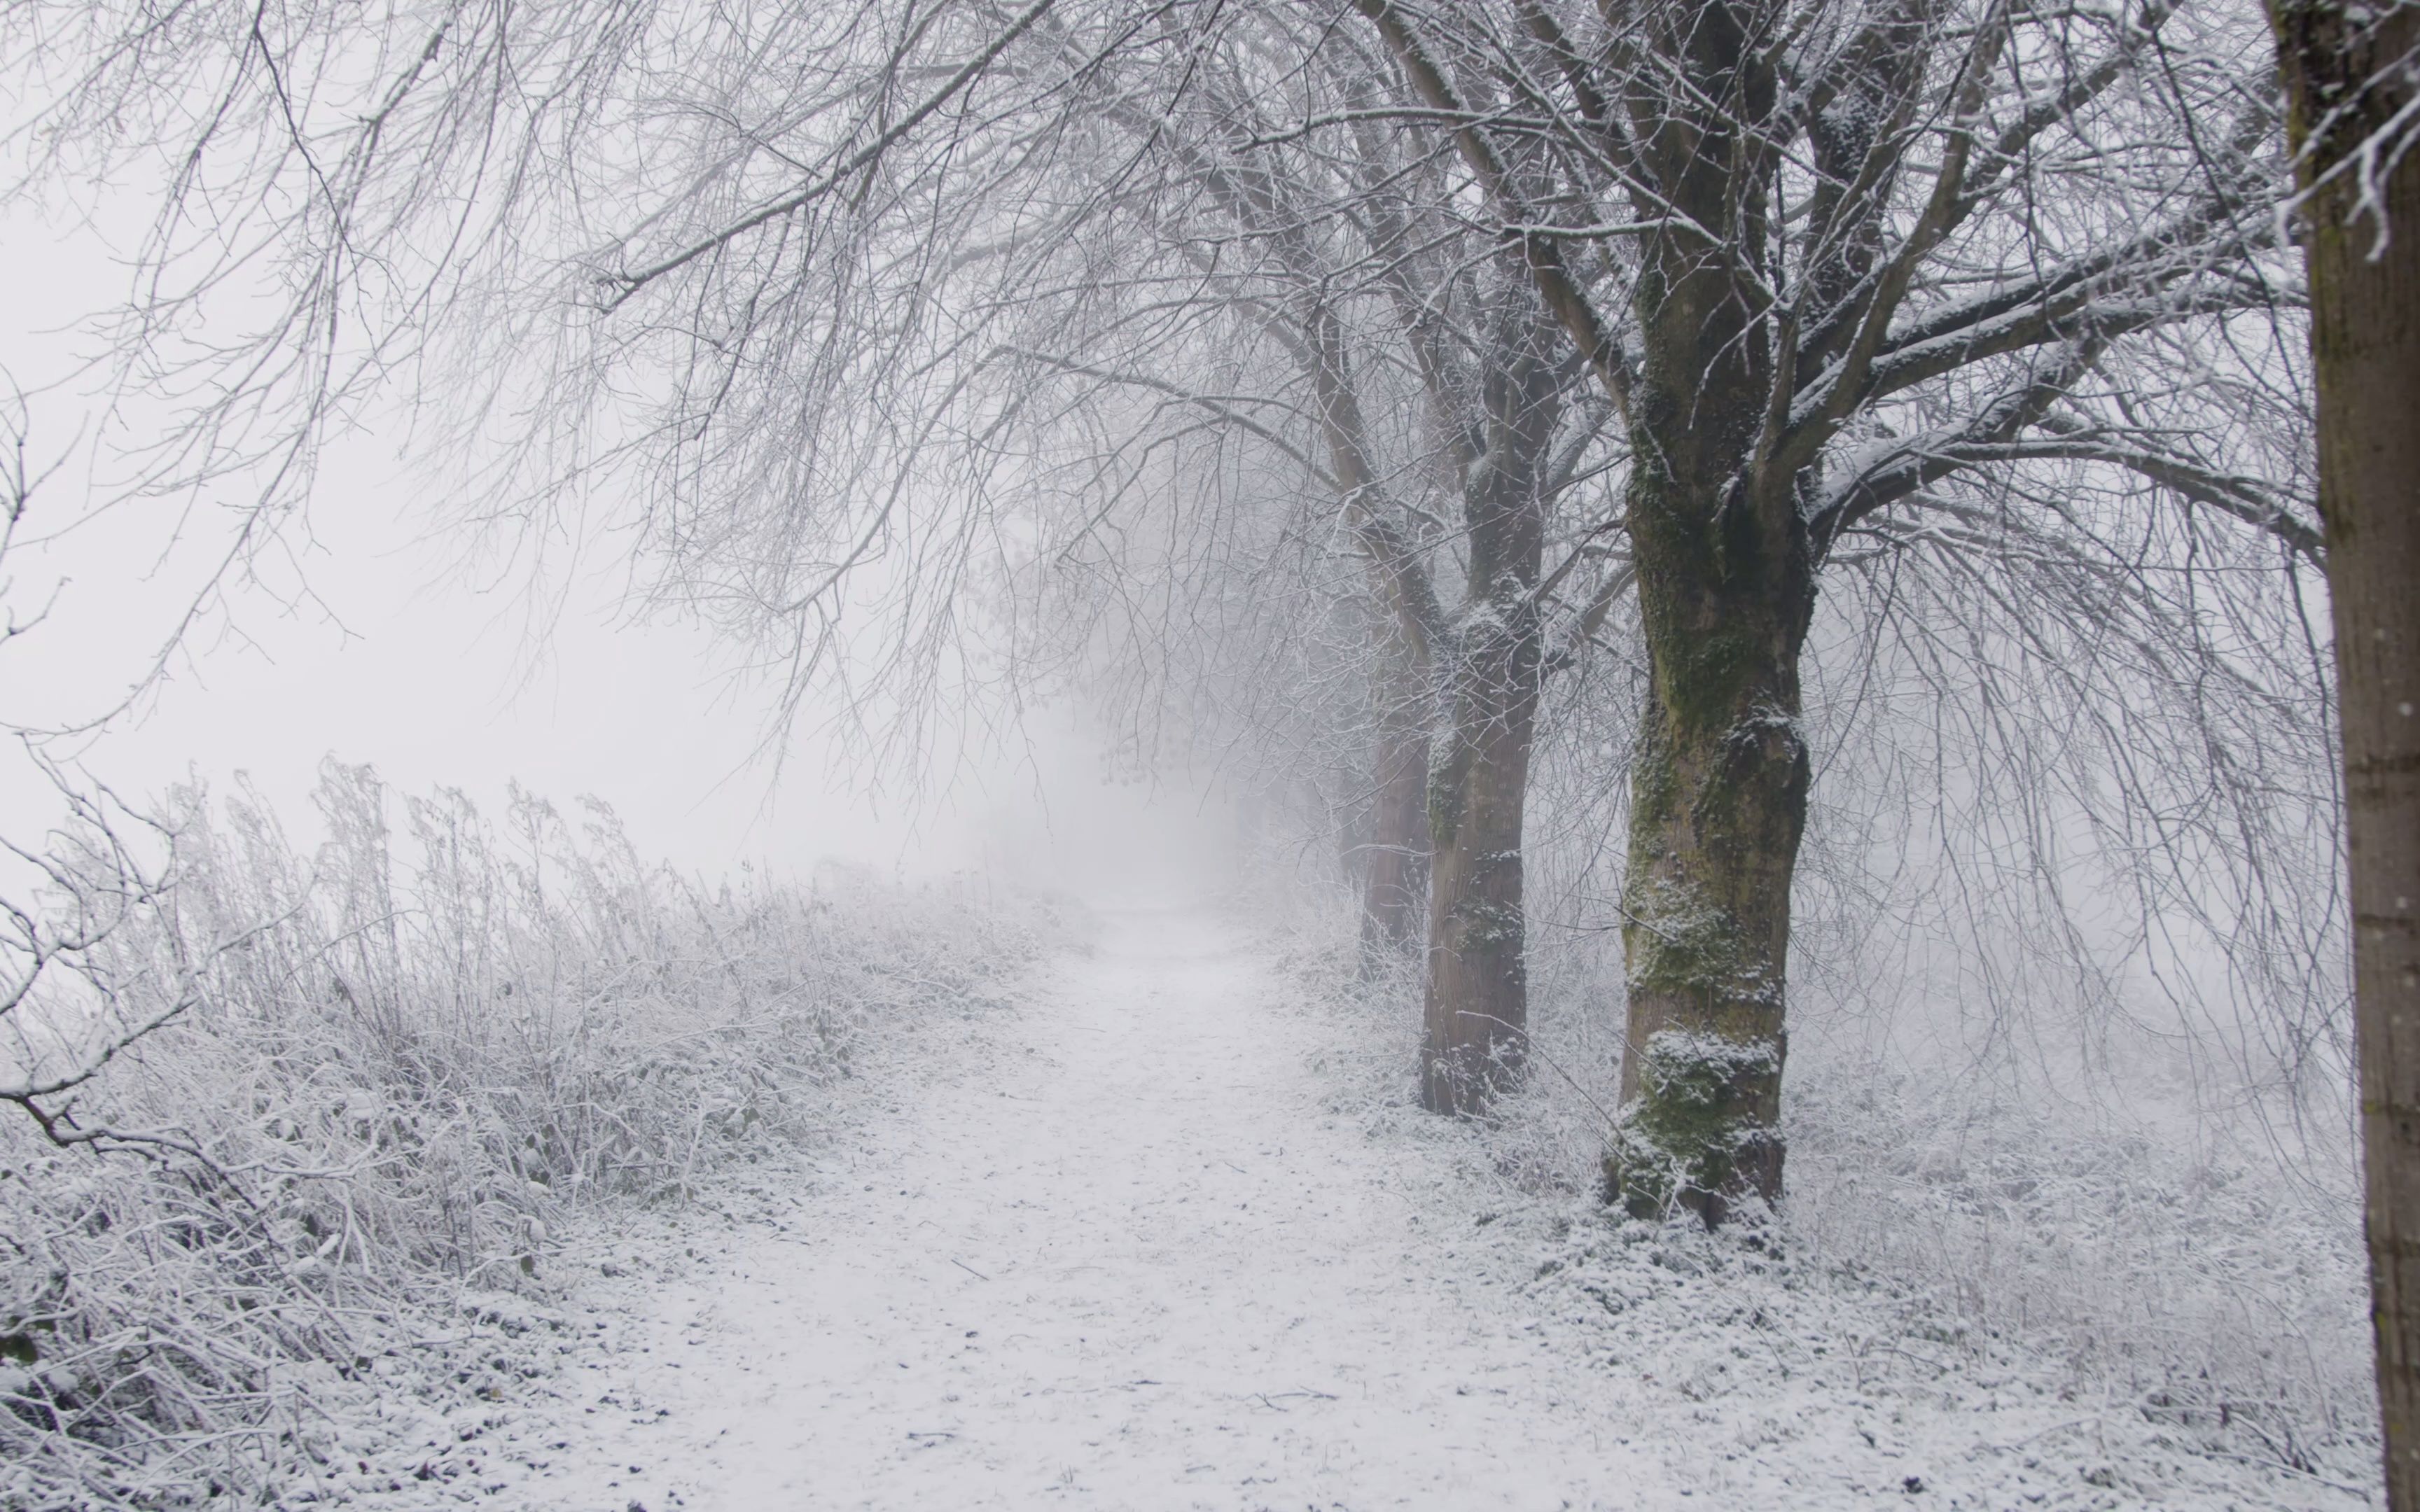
column 1477, row 1011
column 1395, row 857
column 2344, row 84
column 1726, row 587
column 1475, row 1021
column 1718, row 802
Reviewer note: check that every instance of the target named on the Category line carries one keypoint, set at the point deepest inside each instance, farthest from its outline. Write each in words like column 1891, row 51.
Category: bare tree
column 1783, row 234
column 73, row 997
column 1444, row 436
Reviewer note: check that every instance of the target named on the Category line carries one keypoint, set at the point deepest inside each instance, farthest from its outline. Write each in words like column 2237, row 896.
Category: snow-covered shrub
column 2182, row 1266
column 2194, row 1270
column 412, row 1055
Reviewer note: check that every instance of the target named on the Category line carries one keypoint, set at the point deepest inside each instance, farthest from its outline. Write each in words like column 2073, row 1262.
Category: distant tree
column 1415, row 376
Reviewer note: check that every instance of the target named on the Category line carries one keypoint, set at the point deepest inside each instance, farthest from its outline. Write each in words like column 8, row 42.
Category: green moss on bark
column 1692, row 1136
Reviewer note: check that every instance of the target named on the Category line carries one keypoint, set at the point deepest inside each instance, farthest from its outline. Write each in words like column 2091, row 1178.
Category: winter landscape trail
column 1152, row 1237
column 1132, row 1263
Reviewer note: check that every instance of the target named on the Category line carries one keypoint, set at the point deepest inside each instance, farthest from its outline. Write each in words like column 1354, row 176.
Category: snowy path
column 1119, row 1248
column 1134, row 1263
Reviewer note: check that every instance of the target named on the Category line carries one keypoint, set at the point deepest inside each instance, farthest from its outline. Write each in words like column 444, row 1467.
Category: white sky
column 403, row 665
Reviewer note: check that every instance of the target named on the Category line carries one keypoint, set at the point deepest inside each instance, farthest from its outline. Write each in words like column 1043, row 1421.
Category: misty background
column 373, row 634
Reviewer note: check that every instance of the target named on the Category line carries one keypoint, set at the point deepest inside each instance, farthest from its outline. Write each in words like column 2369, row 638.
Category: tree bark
column 1475, row 1019
column 1476, row 1013
column 1718, row 802
column 1395, row 870
column 2344, row 84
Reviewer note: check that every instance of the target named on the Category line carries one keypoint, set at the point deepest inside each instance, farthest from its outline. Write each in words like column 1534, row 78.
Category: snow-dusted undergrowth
column 2188, row 1297
column 431, row 1054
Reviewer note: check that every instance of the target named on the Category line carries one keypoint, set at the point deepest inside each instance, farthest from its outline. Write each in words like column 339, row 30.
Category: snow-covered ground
column 1135, row 1241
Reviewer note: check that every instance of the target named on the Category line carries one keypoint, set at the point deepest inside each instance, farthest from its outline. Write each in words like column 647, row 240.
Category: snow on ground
column 1134, row 1243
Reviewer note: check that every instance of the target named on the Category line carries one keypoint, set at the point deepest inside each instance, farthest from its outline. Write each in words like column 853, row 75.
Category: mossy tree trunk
column 1718, row 795
column 1726, row 588
column 1476, row 1013
column 2347, row 79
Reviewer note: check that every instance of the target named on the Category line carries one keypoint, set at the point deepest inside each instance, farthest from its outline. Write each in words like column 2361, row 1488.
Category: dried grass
column 424, row 1052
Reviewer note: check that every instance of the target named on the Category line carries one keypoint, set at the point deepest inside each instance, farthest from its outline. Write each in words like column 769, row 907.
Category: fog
column 367, row 636
column 395, row 661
